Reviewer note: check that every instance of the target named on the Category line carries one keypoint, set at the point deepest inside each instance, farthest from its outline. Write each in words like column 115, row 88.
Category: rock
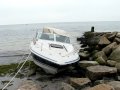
column 104, row 41
column 118, row 67
column 118, row 77
column 100, row 54
column 111, row 38
column 97, row 47
column 115, row 84
column 93, row 41
column 111, row 63
column 94, row 52
column 78, row 38
column 104, row 80
column 85, row 64
column 117, row 40
column 115, row 47
column 81, row 39
column 99, row 82
column 86, row 88
column 115, row 55
column 84, row 55
column 102, row 87
column 83, row 46
column 29, row 85
column 79, row 83
column 100, row 60
column 118, row 35
column 108, row 49
column 99, row 33
column 31, row 72
column 108, row 34
column 98, row 72
column 65, row 86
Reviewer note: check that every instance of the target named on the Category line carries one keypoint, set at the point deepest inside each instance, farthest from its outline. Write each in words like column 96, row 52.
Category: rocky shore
column 100, row 59
column 98, row 68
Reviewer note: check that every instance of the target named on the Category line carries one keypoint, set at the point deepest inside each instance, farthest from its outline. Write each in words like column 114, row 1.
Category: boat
column 52, row 50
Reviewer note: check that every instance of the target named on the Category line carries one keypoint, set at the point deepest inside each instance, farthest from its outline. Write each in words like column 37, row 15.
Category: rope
column 16, row 73
column 20, row 61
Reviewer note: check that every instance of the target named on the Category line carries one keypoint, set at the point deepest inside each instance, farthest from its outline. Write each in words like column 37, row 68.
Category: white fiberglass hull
column 50, row 65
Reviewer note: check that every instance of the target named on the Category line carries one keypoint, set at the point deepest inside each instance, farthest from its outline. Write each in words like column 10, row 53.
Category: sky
column 46, row 11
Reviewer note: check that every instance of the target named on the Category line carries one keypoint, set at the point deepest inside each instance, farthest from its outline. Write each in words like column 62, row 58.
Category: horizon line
column 55, row 22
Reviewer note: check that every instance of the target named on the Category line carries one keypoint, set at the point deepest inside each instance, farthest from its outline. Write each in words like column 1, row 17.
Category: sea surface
column 15, row 39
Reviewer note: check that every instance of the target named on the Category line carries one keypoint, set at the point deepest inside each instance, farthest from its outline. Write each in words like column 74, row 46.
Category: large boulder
column 115, row 47
column 115, row 84
column 111, row 63
column 102, row 87
column 101, row 61
column 108, row 34
column 100, row 54
column 85, row 64
column 97, row 72
column 115, row 55
column 118, row 35
column 29, row 85
column 90, row 38
column 79, row 83
column 117, row 40
column 103, row 41
column 108, row 49
column 111, row 38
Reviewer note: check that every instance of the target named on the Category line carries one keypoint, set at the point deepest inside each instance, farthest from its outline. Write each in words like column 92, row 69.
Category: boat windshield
column 61, row 38
column 47, row 37
column 58, row 38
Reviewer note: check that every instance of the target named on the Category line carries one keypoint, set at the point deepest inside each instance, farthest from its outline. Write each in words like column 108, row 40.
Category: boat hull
column 49, row 67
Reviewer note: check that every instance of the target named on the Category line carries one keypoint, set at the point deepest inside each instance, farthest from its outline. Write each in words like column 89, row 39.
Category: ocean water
column 15, row 39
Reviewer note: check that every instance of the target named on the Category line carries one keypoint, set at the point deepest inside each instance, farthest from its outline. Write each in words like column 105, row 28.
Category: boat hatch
column 56, row 46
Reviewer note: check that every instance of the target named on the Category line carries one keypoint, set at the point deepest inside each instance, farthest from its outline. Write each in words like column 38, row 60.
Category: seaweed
column 12, row 68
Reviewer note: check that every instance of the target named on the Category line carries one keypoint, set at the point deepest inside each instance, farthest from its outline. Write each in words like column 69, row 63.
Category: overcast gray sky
column 43, row 11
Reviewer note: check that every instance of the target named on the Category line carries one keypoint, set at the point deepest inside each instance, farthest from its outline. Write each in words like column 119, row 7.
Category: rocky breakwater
column 100, row 59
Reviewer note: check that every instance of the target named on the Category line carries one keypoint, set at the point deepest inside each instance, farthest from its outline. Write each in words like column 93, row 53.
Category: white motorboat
column 52, row 50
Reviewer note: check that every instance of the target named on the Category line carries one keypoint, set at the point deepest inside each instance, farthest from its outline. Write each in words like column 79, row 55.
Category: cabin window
column 61, row 38
column 47, row 37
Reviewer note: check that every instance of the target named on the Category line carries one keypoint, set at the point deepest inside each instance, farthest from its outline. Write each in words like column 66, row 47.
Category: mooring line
column 21, row 60
column 17, row 72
